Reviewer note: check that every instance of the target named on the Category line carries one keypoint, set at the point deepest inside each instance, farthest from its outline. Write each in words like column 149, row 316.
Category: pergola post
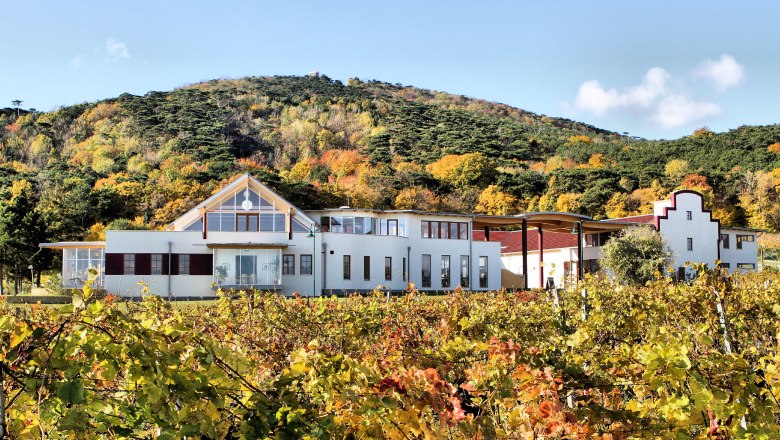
column 540, row 235
column 580, row 268
column 525, row 254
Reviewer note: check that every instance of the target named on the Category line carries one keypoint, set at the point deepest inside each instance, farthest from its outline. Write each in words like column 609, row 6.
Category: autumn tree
column 493, row 201
column 472, row 169
column 418, row 198
column 636, row 256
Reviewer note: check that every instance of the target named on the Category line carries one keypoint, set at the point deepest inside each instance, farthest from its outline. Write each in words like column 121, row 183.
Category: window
column 426, row 232
column 184, row 264
column 463, row 231
column 389, row 268
column 690, row 243
column 454, row 231
column 464, row 271
column 725, row 265
column 367, row 268
column 724, row 240
column 746, row 265
column 445, row 271
column 426, row 270
column 246, row 222
column 444, row 230
column 156, row 264
column 129, row 264
column 741, row 238
column 347, row 267
column 305, row 264
column 688, row 215
column 434, row 229
column 288, row 264
column 392, row 227
column 483, row 272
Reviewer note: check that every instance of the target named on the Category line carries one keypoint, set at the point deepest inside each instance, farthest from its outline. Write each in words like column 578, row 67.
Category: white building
column 689, row 230
column 247, row 236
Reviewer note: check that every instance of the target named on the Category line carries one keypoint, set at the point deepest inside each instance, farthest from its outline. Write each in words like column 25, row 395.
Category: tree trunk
column 2, row 277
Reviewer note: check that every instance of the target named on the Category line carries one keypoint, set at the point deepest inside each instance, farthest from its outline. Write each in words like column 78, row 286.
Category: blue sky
column 655, row 69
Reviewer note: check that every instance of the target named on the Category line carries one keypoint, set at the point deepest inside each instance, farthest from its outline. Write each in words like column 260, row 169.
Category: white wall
column 326, row 245
column 676, row 229
column 733, row 256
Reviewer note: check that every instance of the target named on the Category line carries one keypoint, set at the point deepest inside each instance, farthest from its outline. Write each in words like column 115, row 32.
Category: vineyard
column 666, row 360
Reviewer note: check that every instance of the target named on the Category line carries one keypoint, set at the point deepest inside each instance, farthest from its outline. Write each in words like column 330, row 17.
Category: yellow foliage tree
column 493, row 201
column 568, row 202
column 616, row 206
column 676, row 169
column 462, row 170
column 418, row 198
column 774, row 148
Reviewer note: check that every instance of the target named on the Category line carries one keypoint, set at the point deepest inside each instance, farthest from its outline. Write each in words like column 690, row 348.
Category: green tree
column 636, row 255
column 22, row 228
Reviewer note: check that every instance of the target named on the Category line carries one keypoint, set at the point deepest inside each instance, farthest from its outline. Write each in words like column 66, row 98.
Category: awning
column 74, row 245
column 247, row 245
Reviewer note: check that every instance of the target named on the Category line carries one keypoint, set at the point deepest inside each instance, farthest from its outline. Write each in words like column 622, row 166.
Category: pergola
column 548, row 221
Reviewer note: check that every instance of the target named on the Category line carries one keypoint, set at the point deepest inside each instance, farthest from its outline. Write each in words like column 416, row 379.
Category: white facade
column 246, row 236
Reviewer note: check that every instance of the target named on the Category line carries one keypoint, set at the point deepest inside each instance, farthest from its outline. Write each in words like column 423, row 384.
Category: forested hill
column 140, row 161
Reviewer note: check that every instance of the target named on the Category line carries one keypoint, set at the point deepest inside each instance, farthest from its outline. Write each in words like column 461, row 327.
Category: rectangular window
column 305, row 264
column 349, row 225
column 445, row 271
column 741, row 238
column 366, row 268
column 156, row 264
column 746, row 266
column 689, row 215
column 288, row 264
column 426, row 229
column 426, row 270
column 445, row 229
column 464, row 271
column 434, row 229
column 454, row 230
column 690, row 243
column 246, row 222
column 383, row 226
column 724, row 241
column 463, row 231
column 347, row 267
column 725, row 265
column 392, row 227
column 483, row 272
column 184, row 264
column 129, row 264
column 388, row 268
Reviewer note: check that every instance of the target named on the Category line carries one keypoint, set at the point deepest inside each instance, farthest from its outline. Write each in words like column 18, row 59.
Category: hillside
column 140, row 161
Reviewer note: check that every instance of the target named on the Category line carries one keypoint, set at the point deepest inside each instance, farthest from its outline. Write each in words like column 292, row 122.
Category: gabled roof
column 245, row 180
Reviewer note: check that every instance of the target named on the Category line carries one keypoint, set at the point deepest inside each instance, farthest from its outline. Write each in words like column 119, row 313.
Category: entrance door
column 246, row 266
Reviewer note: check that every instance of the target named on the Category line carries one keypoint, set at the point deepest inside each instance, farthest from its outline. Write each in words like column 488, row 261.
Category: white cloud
column 723, row 73
column 593, row 98
column 675, row 111
column 661, row 99
column 116, row 51
column 77, row 61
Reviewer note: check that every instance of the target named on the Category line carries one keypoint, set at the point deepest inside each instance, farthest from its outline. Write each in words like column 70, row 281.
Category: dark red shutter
column 174, row 264
column 166, row 263
column 143, row 264
column 201, row 264
column 115, row 264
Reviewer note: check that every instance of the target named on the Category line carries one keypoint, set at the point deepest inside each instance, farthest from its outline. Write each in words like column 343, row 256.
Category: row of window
column 446, row 272
column 724, row 240
column 245, row 222
column 288, row 264
column 347, row 263
column 158, row 264
column 739, row 265
column 447, row 230
column 364, row 225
